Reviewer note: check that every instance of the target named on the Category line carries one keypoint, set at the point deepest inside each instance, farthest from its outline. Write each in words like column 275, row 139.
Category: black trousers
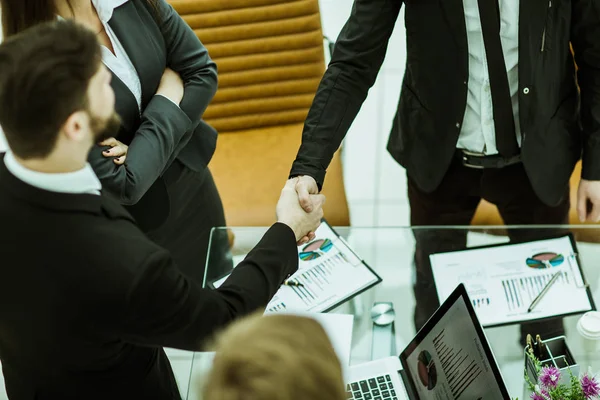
column 454, row 203
column 196, row 208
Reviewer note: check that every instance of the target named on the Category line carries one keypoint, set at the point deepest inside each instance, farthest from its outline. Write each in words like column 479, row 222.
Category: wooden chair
column 270, row 58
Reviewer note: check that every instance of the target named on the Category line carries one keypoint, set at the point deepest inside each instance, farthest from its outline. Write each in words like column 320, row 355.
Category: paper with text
column 502, row 281
column 329, row 273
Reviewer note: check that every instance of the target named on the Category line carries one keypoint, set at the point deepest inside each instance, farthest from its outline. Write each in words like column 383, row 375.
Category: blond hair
column 276, row 357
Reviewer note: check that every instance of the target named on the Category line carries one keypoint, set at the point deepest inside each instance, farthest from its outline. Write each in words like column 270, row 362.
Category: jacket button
column 458, row 124
column 526, row 90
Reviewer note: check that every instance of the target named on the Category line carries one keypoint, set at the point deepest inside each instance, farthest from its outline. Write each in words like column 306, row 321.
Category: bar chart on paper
column 520, row 292
column 317, row 280
column 460, row 369
column 503, row 281
column 323, row 282
column 276, row 306
column 329, row 273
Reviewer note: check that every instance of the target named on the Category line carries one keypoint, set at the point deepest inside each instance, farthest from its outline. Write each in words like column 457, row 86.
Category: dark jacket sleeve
column 585, row 37
column 187, row 56
column 163, row 308
column 355, row 63
column 164, row 125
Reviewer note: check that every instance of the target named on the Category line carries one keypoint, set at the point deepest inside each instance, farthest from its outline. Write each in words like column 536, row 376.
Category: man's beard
column 103, row 129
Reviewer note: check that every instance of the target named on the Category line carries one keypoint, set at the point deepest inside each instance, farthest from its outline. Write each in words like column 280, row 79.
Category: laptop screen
column 450, row 357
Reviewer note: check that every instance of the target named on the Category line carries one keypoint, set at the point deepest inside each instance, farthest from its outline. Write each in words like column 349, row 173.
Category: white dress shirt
column 78, row 182
column 3, row 144
column 478, row 132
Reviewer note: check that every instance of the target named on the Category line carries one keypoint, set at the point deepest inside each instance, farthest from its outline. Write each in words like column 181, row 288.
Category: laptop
column 449, row 358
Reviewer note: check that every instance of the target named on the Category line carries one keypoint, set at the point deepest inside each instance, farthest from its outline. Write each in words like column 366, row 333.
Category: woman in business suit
column 163, row 79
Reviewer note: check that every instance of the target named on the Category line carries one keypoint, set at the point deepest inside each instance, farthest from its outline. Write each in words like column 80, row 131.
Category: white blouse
column 119, row 62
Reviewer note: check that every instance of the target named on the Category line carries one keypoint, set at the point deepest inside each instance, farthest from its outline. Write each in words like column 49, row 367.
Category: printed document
column 502, row 281
column 329, row 274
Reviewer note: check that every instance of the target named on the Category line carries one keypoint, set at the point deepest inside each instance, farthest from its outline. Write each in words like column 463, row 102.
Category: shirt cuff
column 167, row 99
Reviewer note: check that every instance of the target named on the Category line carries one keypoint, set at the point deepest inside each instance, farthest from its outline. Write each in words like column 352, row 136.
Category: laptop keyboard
column 379, row 388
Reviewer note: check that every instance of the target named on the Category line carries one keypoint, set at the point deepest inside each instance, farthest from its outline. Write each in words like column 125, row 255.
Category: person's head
column 55, row 94
column 18, row 15
column 276, row 357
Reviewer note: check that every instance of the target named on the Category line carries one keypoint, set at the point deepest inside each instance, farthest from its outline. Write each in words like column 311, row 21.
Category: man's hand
column 290, row 213
column 305, row 187
column 117, row 150
column 588, row 194
column 171, row 86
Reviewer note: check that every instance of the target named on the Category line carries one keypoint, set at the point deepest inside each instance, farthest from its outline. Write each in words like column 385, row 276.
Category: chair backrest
column 270, row 58
column 269, row 55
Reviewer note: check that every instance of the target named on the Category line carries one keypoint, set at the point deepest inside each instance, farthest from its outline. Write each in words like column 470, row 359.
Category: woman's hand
column 117, row 150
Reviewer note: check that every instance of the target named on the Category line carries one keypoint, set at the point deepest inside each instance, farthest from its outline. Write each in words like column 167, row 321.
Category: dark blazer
column 87, row 301
column 153, row 41
column 434, row 91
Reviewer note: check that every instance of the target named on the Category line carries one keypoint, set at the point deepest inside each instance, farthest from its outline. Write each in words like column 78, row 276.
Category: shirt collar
column 105, row 8
column 78, row 182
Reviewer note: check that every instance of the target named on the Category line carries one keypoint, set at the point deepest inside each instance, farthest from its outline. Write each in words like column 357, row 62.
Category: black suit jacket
column 87, row 301
column 434, row 91
column 162, row 132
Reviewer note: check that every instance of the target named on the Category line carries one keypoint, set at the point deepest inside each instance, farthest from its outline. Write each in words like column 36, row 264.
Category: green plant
column 548, row 386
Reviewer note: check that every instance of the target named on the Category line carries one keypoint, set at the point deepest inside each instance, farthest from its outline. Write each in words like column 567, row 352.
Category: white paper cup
column 588, row 327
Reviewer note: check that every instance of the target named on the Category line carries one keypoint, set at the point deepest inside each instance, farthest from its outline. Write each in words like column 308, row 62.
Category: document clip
column 576, row 271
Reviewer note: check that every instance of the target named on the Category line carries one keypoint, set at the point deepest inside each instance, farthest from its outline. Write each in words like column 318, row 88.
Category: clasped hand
column 301, row 202
column 290, row 212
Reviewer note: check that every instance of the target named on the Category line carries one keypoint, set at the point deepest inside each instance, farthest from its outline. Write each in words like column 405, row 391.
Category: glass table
column 390, row 252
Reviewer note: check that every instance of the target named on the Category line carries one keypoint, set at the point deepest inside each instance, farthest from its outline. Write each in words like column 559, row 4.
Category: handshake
column 301, row 207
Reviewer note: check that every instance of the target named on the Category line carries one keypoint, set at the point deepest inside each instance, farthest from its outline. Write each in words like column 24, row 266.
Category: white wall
column 375, row 183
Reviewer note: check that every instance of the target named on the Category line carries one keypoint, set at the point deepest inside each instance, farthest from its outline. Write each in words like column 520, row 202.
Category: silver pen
column 543, row 292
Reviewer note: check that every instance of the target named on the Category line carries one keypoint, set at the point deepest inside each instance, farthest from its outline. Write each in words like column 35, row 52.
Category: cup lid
column 589, row 325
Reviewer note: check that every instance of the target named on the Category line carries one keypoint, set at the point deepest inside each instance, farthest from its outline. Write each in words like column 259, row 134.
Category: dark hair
column 18, row 15
column 45, row 73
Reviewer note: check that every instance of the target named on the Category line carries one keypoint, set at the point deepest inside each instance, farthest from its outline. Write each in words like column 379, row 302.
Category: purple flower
column 540, row 394
column 549, row 377
column 537, row 396
column 590, row 387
